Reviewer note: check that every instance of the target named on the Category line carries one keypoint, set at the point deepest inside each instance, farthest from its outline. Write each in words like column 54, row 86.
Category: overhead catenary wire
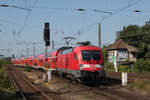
column 75, row 9
column 130, row 4
column 27, row 17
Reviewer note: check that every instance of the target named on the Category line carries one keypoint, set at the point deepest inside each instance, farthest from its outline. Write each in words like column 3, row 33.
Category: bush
column 141, row 65
column 1, row 63
column 141, row 84
column 4, row 62
column 109, row 66
column 6, row 91
column 28, row 68
column 124, row 68
column 4, row 80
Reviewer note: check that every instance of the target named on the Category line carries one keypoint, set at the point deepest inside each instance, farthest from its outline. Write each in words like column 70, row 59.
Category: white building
column 121, row 51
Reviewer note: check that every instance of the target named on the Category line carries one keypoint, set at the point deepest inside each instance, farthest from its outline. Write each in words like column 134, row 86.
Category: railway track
column 107, row 89
column 114, row 93
column 25, row 87
column 131, row 76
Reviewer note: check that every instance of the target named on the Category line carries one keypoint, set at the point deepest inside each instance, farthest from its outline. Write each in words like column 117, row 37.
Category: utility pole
column 0, row 29
column 99, row 35
column 53, row 45
column 27, row 52
column 34, row 49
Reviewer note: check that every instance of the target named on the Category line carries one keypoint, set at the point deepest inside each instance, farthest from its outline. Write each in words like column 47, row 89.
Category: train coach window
column 40, row 60
column 66, row 51
column 75, row 56
column 90, row 55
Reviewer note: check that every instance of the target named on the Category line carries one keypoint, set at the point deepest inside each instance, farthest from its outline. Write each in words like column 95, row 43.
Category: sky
column 22, row 30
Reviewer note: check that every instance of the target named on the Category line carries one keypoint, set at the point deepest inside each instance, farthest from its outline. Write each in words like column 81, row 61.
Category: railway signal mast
column 47, row 44
column 47, row 34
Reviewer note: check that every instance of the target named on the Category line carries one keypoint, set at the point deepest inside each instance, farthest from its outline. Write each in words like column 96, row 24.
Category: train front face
column 91, row 63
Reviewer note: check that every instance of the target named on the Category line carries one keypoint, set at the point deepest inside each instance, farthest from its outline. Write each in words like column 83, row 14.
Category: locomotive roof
column 86, row 43
column 64, row 48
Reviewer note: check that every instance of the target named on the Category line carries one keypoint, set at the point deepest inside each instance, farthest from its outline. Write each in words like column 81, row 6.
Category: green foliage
column 105, row 54
column 4, row 80
column 142, row 65
column 28, row 68
column 141, row 84
column 4, row 62
column 6, row 91
column 124, row 68
column 109, row 66
column 1, row 63
column 138, row 37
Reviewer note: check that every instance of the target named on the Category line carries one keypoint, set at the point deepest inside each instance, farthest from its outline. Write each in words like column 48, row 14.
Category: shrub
column 1, row 63
column 6, row 91
column 28, row 68
column 4, row 62
column 143, row 84
column 124, row 68
column 141, row 65
column 109, row 66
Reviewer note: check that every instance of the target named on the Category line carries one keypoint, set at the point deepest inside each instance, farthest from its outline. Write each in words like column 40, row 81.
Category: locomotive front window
column 90, row 55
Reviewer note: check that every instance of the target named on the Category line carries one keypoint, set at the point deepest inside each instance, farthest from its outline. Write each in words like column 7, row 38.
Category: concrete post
column 124, row 78
column 49, row 75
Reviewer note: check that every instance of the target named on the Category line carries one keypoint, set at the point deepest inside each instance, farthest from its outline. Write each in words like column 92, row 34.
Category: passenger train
column 83, row 62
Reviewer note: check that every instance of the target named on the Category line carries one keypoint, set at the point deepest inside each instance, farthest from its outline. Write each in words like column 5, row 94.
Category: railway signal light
column 47, row 43
column 47, row 34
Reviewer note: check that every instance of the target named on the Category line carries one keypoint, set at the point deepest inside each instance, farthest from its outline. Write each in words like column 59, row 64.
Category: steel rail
column 34, row 87
column 131, row 76
column 16, row 84
column 44, row 95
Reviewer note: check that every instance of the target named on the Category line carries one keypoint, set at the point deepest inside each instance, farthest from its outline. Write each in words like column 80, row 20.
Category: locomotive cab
column 81, row 62
column 91, row 63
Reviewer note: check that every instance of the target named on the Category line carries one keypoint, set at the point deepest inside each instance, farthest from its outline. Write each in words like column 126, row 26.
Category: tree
column 138, row 37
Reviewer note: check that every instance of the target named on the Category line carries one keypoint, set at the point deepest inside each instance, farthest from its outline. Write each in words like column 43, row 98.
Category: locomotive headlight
column 84, row 66
column 97, row 65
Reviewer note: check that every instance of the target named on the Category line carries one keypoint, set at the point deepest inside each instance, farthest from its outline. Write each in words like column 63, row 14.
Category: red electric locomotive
column 82, row 62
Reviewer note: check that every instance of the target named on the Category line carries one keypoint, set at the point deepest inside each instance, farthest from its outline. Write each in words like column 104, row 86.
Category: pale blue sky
column 63, row 17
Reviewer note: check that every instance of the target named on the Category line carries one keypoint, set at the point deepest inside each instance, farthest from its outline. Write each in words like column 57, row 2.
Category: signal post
column 47, row 76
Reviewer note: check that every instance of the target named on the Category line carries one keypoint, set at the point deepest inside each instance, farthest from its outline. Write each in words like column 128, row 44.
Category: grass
column 7, row 92
column 141, row 84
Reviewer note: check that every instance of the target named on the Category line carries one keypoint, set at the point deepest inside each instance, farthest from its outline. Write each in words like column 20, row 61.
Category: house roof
column 120, row 44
